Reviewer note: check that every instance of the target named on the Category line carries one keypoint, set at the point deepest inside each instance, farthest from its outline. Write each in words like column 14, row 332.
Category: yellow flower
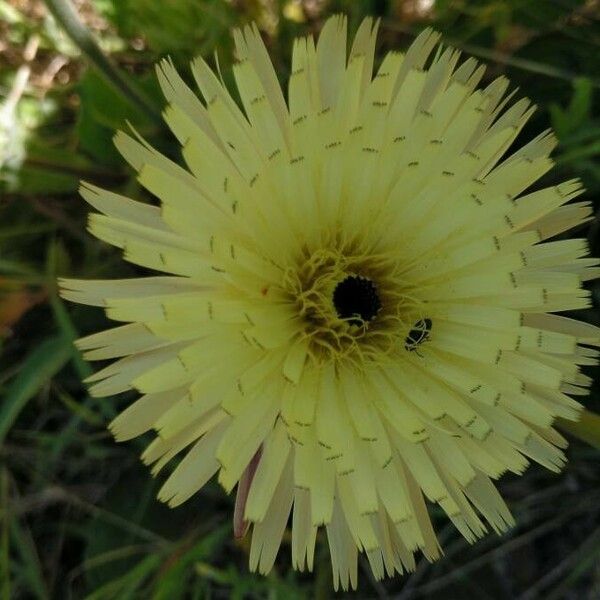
column 356, row 311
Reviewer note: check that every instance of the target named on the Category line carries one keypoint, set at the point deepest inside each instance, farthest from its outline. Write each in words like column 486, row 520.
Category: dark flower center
column 356, row 297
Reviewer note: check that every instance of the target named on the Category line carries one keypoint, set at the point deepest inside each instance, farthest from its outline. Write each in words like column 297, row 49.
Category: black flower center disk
column 356, row 299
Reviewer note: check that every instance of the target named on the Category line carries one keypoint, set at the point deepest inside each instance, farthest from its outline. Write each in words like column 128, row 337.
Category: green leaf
column 23, row 543
column 5, row 517
column 586, row 429
column 188, row 28
column 580, row 106
column 83, row 413
column 55, row 158
column 38, row 368
column 175, row 579
column 124, row 587
column 565, row 121
column 103, row 111
column 33, row 180
column 9, row 14
column 579, row 153
column 113, row 527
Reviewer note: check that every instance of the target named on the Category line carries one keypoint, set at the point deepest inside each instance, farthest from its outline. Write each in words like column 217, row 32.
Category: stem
column 65, row 14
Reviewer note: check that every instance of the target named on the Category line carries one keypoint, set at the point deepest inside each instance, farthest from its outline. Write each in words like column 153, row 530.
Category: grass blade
column 39, row 366
column 586, row 429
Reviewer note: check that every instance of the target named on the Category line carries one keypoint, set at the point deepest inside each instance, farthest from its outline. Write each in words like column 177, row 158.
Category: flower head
column 355, row 311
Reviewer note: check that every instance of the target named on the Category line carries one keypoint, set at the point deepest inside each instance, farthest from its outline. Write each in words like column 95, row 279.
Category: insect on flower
column 418, row 334
column 356, row 303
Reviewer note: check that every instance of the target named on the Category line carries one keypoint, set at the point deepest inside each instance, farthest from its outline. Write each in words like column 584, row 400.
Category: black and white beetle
column 418, row 334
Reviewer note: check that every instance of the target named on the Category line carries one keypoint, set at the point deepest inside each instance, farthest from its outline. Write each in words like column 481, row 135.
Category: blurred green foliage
column 180, row 28
column 78, row 515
